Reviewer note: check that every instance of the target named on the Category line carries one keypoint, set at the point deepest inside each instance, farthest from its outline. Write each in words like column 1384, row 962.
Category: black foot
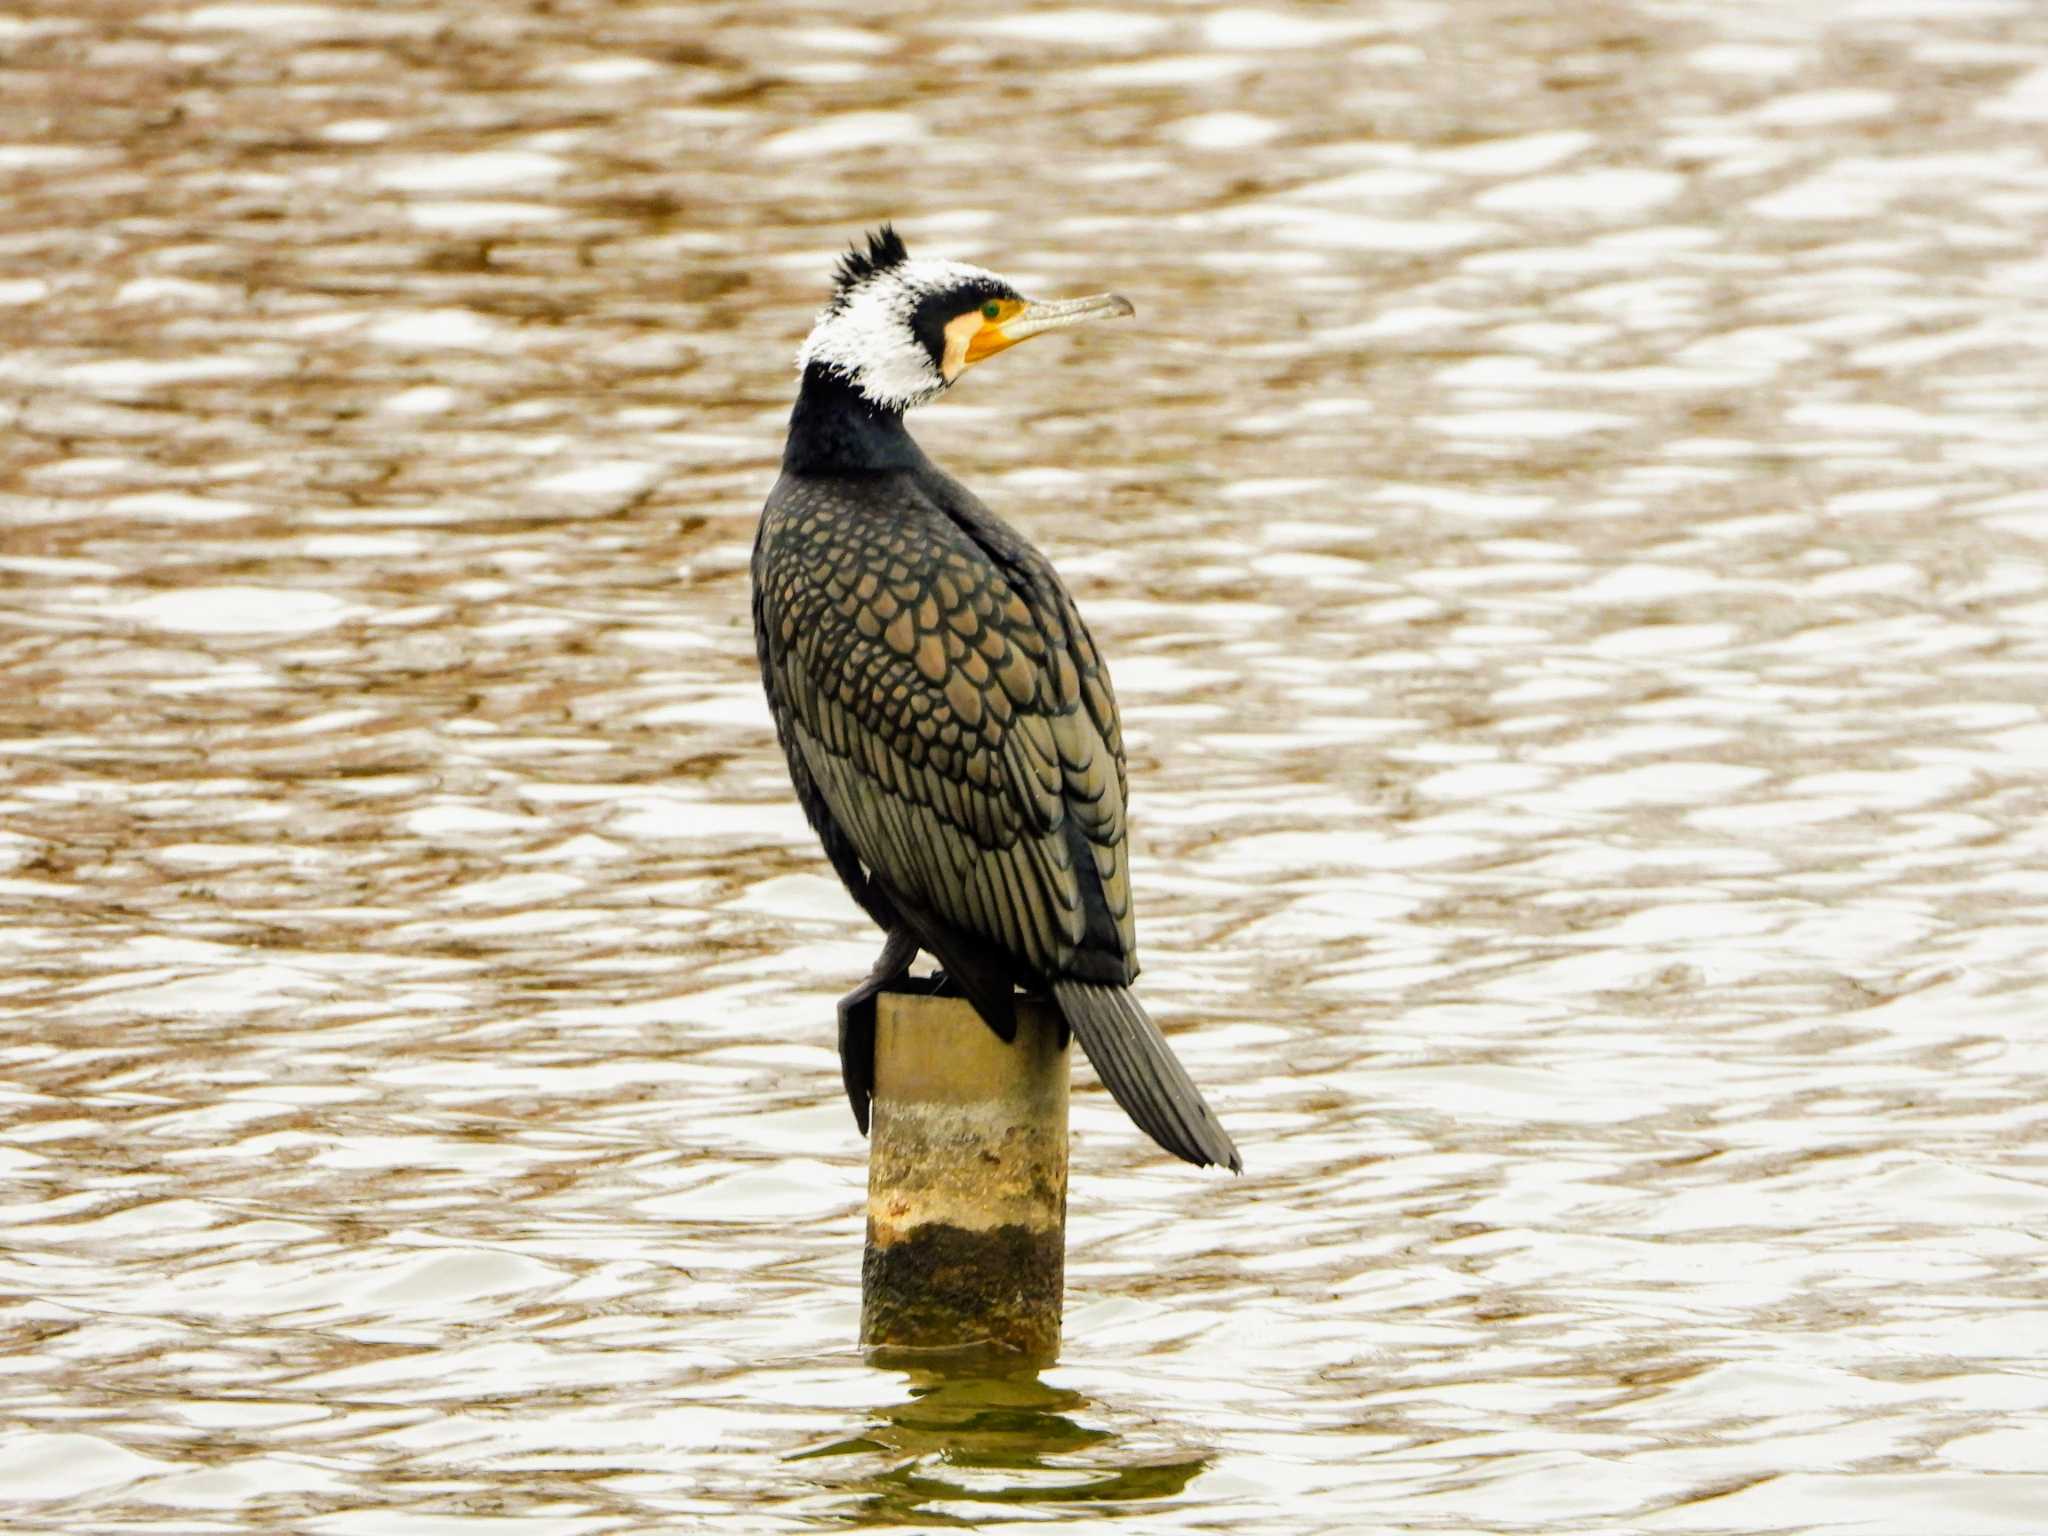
column 939, row 984
column 857, row 1023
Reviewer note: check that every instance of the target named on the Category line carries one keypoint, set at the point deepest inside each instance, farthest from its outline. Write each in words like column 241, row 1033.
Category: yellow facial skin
column 999, row 323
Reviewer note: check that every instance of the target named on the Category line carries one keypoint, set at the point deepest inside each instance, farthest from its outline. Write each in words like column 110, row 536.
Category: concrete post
column 967, row 1181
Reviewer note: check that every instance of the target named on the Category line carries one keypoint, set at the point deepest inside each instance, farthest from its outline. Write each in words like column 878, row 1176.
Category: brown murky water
column 1569, row 527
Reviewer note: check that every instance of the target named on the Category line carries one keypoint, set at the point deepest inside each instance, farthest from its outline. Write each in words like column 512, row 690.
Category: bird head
column 902, row 330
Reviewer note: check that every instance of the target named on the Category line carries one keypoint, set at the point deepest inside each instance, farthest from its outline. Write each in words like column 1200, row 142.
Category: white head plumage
column 869, row 334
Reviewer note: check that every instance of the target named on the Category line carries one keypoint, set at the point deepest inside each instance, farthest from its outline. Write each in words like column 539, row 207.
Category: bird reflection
column 995, row 1439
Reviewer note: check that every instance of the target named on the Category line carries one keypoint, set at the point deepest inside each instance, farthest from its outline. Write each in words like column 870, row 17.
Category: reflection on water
column 967, row 1440
column 1568, row 530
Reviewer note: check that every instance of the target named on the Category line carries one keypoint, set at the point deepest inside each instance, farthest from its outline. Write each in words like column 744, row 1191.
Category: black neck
column 836, row 427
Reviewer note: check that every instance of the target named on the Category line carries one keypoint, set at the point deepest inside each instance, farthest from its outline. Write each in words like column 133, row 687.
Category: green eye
column 990, row 310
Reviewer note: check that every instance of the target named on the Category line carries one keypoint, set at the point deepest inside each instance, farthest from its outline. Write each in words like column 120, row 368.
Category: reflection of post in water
column 995, row 1440
column 967, row 1181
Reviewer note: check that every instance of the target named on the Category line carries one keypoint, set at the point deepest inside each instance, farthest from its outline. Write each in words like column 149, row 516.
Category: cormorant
column 947, row 718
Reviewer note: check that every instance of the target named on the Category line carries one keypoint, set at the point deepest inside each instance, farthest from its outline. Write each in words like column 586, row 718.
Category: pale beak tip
column 1120, row 307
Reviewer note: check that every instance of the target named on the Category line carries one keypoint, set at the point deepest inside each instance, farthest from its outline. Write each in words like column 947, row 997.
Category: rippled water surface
column 1568, row 525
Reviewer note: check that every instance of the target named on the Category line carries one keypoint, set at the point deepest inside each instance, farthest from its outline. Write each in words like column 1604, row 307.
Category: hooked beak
column 1049, row 315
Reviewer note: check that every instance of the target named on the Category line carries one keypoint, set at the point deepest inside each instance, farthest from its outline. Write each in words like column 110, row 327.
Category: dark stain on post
column 941, row 1281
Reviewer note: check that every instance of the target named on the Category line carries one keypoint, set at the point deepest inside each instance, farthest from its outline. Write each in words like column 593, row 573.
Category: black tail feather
column 1142, row 1074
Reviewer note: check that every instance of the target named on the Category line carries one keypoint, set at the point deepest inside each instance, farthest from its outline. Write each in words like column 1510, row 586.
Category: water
column 1568, row 527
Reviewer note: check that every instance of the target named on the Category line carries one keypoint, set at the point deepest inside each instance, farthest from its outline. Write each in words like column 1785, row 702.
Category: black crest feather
column 885, row 250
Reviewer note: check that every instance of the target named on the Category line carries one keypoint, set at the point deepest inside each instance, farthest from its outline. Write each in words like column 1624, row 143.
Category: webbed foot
column 939, row 984
column 857, row 1022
